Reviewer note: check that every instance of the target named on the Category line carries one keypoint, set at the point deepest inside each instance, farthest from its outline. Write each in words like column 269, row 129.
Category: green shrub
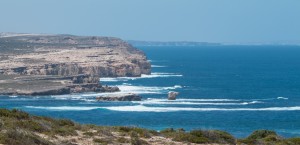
column 135, row 140
column 104, row 131
column 272, row 138
column 64, row 131
column 65, row 122
column 30, row 125
column 123, row 140
column 167, row 130
column 18, row 137
column 101, row 141
column 89, row 133
column 14, row 114
column 217, row 136
column 187, row 137
column 260, row 134
column 260, row 137
column 291, row 141
column 199, row 136
column 142, row 132
column 124, row 129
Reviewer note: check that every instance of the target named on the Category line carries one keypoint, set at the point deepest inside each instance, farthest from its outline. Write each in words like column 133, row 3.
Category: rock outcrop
column 172, row 95
column 120, row 97
column 51, row 85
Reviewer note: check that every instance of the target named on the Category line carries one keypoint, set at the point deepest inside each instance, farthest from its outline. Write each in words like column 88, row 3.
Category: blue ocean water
column 237, row 89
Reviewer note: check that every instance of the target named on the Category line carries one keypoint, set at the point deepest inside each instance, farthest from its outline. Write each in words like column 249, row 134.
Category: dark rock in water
column 109, row 89
column 120, row 97
column 92, row 87
column 172, row 95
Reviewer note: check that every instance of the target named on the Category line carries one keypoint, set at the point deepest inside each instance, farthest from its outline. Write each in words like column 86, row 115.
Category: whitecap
column 12, row 96
column 172, row 88
column 208, row 100
column 252, row 102
column 64, row 108
column 141, row 108
column 137, row 90
column 141, row 89
column 143, row 76
column 126, row 84
column 282, row 98
column 158, row 66
column 151, row 101
column 109, row 79
column 189, row 103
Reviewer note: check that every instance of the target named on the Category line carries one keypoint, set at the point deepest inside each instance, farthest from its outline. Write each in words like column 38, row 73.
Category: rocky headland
column 38, row 64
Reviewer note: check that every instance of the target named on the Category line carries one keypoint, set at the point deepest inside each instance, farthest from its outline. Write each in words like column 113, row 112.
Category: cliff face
column 66, row 55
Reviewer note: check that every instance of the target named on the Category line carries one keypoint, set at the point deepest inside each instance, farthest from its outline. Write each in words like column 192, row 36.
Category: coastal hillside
column 18, row 127
column 39, row 64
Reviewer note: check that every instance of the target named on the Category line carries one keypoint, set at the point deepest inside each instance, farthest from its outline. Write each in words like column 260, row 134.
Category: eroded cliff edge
column 66, row 63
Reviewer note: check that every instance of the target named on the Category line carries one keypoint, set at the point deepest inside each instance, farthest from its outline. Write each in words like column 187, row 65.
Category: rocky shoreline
column 51, row 85
column 63, row 64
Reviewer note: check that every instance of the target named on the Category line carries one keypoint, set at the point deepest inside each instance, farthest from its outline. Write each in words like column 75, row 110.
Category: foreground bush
column 20, row 128
column 199, row 136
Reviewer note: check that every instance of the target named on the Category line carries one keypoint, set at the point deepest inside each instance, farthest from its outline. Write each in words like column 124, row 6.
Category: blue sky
column 230, row 21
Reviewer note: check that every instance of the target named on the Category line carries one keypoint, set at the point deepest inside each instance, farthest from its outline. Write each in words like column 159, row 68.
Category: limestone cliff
column 70, row 55
column 32, row 64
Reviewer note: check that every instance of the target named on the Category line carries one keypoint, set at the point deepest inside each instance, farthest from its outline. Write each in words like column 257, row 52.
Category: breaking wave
column 143, row 76
column 12, row 96
column 283, row 98
column 64, row 108
column 141, row 108
column 158, row 66
column 193, row 102
column 127, row 88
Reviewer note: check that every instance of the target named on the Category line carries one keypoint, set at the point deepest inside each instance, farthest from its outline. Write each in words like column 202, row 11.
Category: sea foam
column 143, row 76
column 64, row 108
column 127, row 88
column 141, row 108
column 283, row 98
column 191, row 102
column 157, row 66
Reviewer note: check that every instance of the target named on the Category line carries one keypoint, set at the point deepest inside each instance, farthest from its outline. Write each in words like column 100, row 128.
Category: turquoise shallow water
column 233, row 88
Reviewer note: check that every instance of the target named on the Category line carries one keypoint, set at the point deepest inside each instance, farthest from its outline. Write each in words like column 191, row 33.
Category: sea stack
column 172, row 95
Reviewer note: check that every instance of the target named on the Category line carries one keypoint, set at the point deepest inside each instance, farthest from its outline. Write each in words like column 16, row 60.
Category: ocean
column 237, row 89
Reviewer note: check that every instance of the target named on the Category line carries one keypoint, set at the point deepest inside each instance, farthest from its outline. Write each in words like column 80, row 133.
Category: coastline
column 60, row 76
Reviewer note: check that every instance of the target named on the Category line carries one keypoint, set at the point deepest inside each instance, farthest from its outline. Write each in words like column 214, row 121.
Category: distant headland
column 170, row 43
column 47, row 64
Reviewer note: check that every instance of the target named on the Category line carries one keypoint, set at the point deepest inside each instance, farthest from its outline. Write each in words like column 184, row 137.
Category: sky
column 225, row 21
